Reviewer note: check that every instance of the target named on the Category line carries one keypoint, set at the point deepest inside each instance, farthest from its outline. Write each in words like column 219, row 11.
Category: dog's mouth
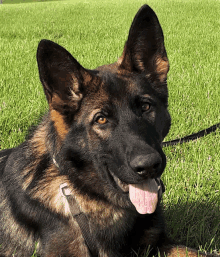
column 124, row 187
column 144, row 196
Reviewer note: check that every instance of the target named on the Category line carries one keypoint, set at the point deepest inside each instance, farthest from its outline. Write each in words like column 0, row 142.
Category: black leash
column 191, row 137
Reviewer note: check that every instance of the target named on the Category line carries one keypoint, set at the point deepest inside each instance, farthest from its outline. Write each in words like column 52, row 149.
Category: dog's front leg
column 65, row 243
column 182, row 251
column 160, row 245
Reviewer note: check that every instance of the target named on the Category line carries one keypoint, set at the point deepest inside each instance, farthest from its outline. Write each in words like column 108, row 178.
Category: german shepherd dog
column 100, row 145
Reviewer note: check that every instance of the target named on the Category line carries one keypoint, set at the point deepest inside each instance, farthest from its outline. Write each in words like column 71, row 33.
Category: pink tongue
column 144, row 196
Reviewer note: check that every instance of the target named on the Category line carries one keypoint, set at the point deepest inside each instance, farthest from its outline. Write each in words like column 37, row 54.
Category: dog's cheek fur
column 162, row 121
column 76, row 162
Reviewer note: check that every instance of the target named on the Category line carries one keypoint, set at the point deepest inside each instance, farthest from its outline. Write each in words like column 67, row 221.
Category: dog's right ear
column 64, row 80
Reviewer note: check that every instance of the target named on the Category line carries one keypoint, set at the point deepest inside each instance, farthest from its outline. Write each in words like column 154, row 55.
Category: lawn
column 95, row 32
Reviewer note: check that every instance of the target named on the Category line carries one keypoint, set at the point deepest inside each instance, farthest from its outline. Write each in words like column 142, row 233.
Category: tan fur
column 59, row 123
column 38, row 140
column 28, row 175
column 162, row 67
column 48, row 192
column 76, row 95
column 96, row 209
column 181, row 251
column 140, row 63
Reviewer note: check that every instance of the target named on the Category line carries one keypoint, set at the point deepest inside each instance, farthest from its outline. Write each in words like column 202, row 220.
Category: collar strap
column 81, row 219
column 161, row 188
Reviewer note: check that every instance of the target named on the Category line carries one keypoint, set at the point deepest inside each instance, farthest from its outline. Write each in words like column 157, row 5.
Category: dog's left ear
column 144, row 50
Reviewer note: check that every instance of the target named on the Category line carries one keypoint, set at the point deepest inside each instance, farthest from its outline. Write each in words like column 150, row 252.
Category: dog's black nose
column 146, row 165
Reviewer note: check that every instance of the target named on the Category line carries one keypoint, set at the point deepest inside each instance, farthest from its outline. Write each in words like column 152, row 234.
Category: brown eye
column 101, row 120
column 145, row 107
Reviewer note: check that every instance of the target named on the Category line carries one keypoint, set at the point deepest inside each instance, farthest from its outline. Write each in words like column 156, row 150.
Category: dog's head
column 110, row 122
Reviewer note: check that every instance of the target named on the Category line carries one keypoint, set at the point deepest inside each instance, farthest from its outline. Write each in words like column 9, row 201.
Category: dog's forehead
column 120, row 86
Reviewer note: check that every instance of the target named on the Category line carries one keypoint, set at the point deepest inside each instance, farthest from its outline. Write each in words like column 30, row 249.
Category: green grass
column 95, row 32
column 23, row 1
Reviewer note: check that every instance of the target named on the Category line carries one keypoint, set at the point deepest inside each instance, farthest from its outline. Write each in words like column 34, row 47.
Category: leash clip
column 64, row 190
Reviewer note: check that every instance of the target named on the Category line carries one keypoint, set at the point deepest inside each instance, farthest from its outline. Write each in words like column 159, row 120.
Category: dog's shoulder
column 4, row 154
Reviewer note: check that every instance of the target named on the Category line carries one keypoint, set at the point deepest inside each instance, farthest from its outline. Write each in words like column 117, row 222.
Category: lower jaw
column 123, row 186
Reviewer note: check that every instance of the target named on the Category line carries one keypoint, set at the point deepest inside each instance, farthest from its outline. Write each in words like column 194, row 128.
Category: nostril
column 140, row 171
column 146, row 164
column 157, row 166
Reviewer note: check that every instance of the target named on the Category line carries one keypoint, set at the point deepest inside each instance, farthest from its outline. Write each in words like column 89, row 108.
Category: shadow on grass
column 195, row 225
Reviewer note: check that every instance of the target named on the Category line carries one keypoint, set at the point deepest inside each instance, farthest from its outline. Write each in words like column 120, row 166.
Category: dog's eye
column 101, row 119
column 146, row 107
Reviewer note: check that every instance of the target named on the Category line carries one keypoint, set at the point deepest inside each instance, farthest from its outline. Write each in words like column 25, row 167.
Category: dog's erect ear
column 144, row 50
column 63, row 78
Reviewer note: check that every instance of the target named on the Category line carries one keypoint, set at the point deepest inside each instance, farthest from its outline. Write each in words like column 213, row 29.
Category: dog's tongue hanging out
column 144, row 196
